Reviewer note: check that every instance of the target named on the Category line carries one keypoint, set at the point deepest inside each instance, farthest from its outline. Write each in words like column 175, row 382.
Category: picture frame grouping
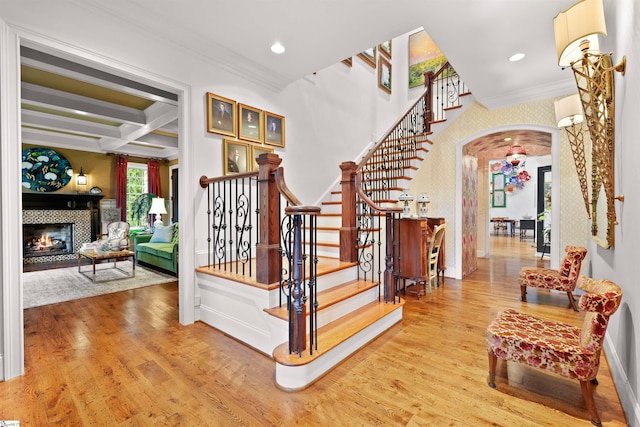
column 228, row 117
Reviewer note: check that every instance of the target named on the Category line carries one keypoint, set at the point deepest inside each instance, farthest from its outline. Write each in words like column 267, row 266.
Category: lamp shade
column 583, row 20
column 157, row 206
column 568, row 110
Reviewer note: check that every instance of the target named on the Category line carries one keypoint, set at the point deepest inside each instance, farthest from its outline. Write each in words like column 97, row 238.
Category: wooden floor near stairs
column 124, row 360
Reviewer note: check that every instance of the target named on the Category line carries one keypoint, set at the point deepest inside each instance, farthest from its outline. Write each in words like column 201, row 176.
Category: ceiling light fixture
column 516, row 154
column 516, row 57
column 277, row 48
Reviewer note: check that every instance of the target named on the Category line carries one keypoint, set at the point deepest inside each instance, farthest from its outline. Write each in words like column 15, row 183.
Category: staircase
column 350, row 307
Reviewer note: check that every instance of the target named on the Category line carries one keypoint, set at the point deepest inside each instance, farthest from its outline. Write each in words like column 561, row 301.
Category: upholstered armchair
column 558, row 347
column 117, row 235
column 563, row 279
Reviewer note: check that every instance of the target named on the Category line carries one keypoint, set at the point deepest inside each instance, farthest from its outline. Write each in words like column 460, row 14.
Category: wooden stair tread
column 337, row 332
column 328, row 297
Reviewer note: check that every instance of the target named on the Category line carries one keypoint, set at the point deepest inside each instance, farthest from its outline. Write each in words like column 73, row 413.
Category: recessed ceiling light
column 277, row 48
column 507, row 139
column 516, row 57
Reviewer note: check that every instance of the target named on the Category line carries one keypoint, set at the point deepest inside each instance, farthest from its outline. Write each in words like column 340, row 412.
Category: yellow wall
column 100, row 170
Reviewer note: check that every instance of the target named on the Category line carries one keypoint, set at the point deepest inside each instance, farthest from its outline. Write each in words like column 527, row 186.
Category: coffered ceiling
column 70, row 105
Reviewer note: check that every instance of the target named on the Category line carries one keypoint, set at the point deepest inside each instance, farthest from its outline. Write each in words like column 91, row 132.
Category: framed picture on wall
column 236, row 156
column 256, row 151
column 385, row 48
column 369, row 56
column 424, row 56
column 251, row 123
column 498, row 199
column 498, row 181
column 221, row 115
column 384, row 74
column 273, row 129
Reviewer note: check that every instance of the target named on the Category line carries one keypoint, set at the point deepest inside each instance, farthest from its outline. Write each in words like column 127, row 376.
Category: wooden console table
column 415, row 237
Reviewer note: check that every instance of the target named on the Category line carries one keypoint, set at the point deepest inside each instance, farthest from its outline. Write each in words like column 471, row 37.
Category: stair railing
column 368, row 187
column 259, row 207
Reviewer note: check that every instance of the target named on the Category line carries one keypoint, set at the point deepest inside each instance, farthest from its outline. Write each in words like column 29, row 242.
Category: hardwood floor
column 124, row 360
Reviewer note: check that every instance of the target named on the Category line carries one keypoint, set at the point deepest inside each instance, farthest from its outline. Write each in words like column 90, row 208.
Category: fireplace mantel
column 60, row 201
column 66, row 201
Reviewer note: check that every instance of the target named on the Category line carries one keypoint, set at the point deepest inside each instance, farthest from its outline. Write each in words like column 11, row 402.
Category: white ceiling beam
column 159, row 140
column 55, row 99
column 157, row 115
column 54, row 64
column 68, row 124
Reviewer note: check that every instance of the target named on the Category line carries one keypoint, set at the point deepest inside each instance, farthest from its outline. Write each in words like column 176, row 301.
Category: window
column 136, row 185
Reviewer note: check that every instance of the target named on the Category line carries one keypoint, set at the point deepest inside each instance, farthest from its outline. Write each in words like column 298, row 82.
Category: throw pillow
column 162, row 235
column 176, row 234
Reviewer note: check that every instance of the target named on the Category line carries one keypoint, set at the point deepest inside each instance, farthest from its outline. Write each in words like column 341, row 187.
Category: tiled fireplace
column 57, row 232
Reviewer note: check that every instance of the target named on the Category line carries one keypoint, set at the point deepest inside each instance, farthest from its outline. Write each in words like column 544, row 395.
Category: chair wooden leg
column 587, row 394
column 493, row 362
column 523, row 293
column 572, row 301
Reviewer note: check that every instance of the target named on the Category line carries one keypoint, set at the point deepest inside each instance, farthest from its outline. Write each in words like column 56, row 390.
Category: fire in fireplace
column 47, row 239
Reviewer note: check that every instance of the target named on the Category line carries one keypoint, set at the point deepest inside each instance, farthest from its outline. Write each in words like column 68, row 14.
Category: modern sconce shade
column 583, row 20
column 81, row 179
column 568, row 110
column 157, row 206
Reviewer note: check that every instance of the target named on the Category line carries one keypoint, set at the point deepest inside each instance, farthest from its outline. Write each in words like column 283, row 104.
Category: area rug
column 66, row 284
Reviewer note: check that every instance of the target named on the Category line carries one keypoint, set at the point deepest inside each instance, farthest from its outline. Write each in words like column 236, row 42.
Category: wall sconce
column 157, row 209
column 406, row 198
column 81, row 179
column 516, row 154
column 570, row 117
column 422, row 203
column 576, row 32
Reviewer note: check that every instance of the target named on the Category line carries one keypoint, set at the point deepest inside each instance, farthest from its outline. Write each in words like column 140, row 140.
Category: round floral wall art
column 45, row 170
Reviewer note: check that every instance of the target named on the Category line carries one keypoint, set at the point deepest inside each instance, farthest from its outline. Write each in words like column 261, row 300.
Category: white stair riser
column 294, row 378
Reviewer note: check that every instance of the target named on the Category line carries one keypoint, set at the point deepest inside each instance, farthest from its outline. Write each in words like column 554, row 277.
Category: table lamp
column 157, row 209
column 422, row 202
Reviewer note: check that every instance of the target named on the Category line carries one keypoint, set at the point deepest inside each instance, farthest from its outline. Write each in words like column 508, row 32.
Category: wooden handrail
column 204, row 180
column 281, row 185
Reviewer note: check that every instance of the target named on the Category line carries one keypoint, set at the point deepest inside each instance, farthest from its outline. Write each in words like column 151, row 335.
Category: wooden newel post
column 349, row 230
column 428, row 113
column 268, row 259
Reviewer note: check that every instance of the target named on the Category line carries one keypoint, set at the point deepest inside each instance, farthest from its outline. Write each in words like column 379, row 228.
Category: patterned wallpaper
column 469, row 214
column 437, row 176
column 81, row 219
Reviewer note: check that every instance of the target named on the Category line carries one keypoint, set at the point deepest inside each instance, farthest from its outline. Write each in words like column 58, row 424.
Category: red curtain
column 153, row 177
column 153, row 182
column 121, row 186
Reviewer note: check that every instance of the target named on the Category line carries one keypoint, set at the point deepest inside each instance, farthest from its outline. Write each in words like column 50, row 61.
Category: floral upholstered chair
column 563, row 279
column 558, row 347
column 117, row 236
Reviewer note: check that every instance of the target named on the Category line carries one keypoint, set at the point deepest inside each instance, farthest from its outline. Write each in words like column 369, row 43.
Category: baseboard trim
column 628, row 400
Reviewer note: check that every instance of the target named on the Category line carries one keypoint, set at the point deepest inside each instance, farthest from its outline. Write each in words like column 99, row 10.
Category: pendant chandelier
column 516, row 154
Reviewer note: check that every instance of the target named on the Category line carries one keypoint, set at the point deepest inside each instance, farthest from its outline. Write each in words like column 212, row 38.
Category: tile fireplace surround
column 79, row 209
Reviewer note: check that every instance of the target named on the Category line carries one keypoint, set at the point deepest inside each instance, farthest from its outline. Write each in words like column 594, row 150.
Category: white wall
column 619, row 263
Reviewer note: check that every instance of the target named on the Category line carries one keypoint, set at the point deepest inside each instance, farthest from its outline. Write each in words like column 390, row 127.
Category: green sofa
column 159, row 254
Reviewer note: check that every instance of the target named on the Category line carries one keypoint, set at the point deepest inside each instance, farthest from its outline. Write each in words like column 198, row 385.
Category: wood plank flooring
column 124, row 360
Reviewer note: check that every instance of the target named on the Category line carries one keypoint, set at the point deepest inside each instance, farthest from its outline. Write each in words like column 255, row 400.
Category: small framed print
column 348, row 61
column 498, row 199
column 274, row 129
column 236, row 156
column 384, row 74
column 251, row 123
column 385, row 48
column 369, row 56
column 221, row 113
column 498, row 181
column 256, row 151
